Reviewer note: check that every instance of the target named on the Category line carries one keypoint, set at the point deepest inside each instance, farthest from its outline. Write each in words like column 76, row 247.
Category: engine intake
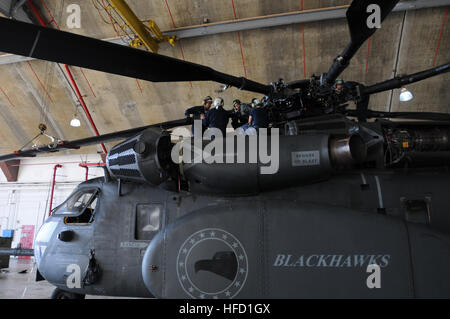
column 143, row 158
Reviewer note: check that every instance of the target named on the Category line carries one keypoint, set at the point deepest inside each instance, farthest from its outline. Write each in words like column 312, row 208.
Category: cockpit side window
column 79, row 208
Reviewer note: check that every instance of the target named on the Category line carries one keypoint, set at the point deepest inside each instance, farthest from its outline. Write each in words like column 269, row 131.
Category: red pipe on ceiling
column 36, row 13
column 440, row 36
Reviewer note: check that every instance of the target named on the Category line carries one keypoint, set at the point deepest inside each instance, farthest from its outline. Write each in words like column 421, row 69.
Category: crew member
column 217, row 117
column 239, row 114
column 258, row 115
column 199, row 112
column 339, row 86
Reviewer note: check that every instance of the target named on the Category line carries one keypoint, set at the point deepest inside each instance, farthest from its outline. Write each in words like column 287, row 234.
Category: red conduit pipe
column 367, row 55
column 440, row 36
column 87, row 165
column 35, row 164
column 53, row 188
column 239, row 40
column 303, row 44
column 40, row 82
column 6, row 97
column 80, row 97
column 87, row 172
column 36, row 13
column 93, row 164
column 84, row 105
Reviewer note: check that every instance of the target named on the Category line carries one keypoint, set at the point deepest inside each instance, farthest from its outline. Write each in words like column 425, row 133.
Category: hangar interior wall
column 26, row 202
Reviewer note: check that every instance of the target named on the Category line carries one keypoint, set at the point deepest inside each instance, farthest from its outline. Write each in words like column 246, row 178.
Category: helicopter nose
column 43, row 239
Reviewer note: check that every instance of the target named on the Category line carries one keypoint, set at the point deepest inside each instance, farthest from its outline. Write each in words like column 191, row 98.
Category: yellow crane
column 148, row 35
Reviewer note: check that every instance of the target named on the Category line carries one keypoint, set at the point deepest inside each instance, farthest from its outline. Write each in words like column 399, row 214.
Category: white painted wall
column 26, row 202
column 2, row 176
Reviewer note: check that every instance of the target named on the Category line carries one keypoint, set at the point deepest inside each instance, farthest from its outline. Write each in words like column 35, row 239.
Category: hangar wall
column 26, row 202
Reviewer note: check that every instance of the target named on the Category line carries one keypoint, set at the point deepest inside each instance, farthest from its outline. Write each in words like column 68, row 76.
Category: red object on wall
column 53, row 188
column 26, row 238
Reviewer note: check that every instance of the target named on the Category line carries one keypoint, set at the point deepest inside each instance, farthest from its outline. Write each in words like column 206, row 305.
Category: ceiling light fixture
column 405, row 95
column 75, row 122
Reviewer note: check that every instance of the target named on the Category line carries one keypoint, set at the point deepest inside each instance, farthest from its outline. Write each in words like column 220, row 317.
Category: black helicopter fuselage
column 313, row 240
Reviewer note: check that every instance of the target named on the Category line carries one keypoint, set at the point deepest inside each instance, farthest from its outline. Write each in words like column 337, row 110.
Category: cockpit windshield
column 77, row 202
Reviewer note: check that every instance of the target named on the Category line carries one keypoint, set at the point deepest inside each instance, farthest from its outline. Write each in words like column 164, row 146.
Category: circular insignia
column 212, row 264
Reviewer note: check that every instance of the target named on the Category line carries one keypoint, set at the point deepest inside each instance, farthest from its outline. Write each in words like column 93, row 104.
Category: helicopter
column 356, row 208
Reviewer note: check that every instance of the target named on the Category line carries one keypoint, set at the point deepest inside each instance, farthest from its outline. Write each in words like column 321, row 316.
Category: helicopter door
column 145, row 223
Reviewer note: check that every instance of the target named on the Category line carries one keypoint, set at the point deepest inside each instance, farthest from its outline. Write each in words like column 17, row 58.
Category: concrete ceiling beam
column 283, row 19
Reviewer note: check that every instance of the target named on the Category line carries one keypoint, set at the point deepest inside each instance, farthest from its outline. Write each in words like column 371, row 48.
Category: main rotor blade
column 400, row 81
column 63, row 47
column 92, row 140
column 359, row 18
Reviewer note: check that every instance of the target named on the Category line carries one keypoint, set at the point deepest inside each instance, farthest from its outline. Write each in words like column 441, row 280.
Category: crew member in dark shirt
column 239, row 114
column 217, row 117
column 199, row 112
column 258, row 115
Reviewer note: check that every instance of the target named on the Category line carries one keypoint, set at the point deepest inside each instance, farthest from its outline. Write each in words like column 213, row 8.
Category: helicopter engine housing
column 302, row 159
column 143, row 158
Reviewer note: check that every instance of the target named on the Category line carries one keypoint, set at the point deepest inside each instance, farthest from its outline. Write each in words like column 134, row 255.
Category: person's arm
column 189, row 111
column 250, row 117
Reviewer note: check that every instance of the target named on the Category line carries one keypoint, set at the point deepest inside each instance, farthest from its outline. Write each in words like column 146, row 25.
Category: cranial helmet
column 256, row 102
column 218, row 101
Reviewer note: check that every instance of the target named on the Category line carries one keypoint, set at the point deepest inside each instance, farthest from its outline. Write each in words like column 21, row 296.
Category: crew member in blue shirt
column 258, row 115
column 199, row 112
column 217, row 117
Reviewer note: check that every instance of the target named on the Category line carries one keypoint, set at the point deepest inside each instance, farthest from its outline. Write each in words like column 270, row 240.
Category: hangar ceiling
column 35, row 91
